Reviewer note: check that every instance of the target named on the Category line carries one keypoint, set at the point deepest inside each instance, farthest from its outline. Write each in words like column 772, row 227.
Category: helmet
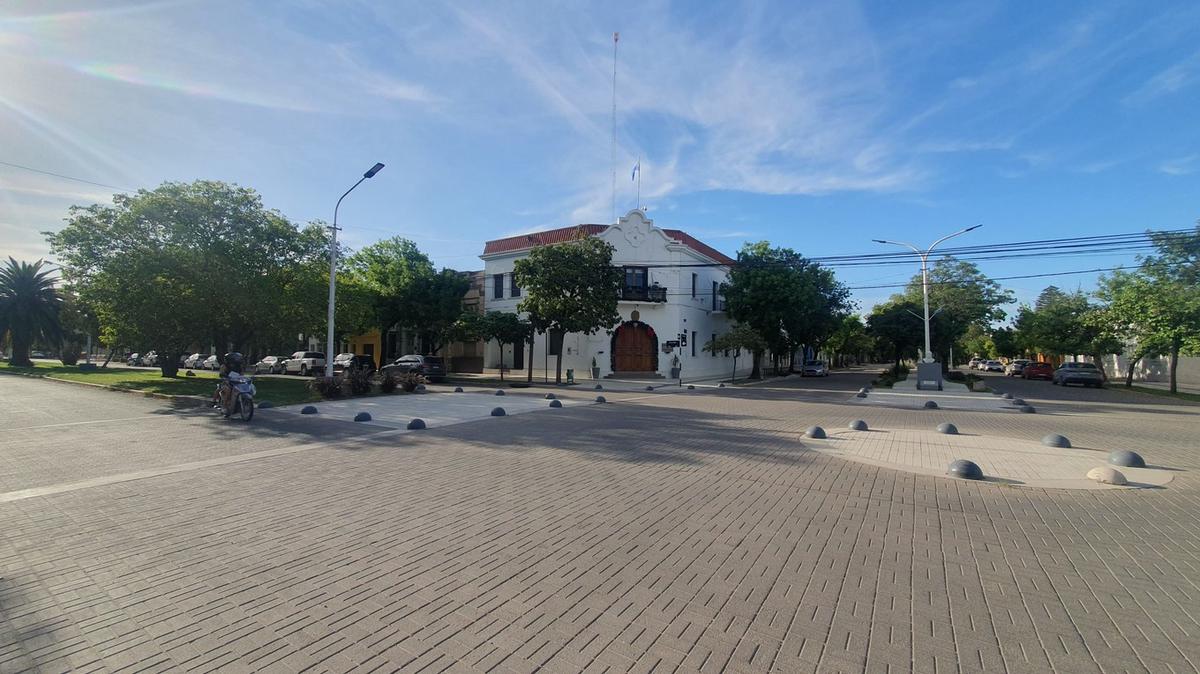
column 234, row 357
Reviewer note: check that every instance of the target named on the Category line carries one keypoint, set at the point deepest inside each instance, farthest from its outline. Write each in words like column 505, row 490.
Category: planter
column 675, row 373
column 595, row 373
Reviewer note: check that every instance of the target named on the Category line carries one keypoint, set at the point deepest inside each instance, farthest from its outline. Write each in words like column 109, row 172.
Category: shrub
column 409, row 381
column 327, row 387
column 70, row 354
column 388, row 383
column 358, row 380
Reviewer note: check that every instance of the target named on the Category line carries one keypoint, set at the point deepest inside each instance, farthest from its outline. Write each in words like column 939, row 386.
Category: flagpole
column 616, row 38
column 639, row 199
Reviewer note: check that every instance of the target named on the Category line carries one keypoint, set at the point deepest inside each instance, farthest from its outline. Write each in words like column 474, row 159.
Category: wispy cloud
column 1170, row 80
column 1180, row 166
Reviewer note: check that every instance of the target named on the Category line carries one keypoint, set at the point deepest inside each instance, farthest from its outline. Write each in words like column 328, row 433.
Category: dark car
column 351, row 361
column 1038, row 371
column 1078, row 373
column 432, row 368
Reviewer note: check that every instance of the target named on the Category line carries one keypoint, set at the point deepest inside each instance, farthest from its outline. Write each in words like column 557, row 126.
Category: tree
column 977, row 342
column 29, row 307
column 849, row 340
column 787, row 299
column 505, row 328
column 191, row 263
column 962, row 296
column 1066, row 324
column 1158, row 306
column 741, row 337
column 570, row 287
column 1004, row 342
column 896, row 327
column 408, row 291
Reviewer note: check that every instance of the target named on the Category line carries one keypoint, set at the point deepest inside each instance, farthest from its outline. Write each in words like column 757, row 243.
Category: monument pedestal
column 929, row 376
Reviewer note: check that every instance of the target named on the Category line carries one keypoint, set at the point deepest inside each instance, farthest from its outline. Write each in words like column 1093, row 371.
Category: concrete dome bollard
column 362, row 416
column 1106, row 475
column 858, row 425
column 1018, row 401
column 947, row 428
column 720, row 385
column 1055, row 440
column 649, row 388
column 691, row 387
column 550, row 396
column 308, row 409
column 1007, row 396
column 1027, row 409
column 815, row 432
column 499, row 392
column 555, row 403
column 967, row 470
column 458, row 389
column 416, row 425
column 930, row 405
column 1127, row 459
column 862, row 390
column 265, row 405
column 601, row 399
column 598, row 387
column 860, row 394
column 498, row 411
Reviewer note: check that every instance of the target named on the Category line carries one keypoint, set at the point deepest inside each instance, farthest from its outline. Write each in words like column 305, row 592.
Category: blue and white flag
column 636, row 167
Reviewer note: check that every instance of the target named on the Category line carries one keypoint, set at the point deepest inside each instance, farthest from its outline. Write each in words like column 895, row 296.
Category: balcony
column 643, row 294
column 718, row 304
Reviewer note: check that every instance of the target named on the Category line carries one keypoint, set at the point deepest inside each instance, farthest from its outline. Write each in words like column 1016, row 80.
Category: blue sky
column 815, row 126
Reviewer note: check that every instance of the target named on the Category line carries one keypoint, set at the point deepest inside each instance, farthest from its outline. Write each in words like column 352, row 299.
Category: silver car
column 815, row 368
column 1078, row 373
column 270, row 365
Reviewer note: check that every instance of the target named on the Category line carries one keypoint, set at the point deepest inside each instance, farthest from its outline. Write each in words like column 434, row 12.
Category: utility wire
column 66, row 177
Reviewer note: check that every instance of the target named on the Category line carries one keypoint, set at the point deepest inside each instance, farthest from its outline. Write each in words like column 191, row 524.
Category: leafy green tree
column 977, row 342
column 1066, row 324
column 741, row 338
column 897, row 329
column 190, row 263
column 1004, row 342
column 570, row 287
column 962, row 296
column 30, row 307
column 850, row 340
column 505, row 328
column 787, row 299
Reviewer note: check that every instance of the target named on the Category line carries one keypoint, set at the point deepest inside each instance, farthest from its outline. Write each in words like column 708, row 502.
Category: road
column 685, row 531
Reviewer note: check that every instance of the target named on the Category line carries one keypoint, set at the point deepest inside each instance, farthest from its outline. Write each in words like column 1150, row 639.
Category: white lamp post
column 924, row 255
column 333, row 270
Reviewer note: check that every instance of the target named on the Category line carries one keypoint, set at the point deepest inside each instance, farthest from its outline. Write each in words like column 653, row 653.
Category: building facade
column 670, row 304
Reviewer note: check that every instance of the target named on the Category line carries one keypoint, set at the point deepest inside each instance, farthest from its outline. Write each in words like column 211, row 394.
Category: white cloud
column 1170, row 80
column 1180, row 166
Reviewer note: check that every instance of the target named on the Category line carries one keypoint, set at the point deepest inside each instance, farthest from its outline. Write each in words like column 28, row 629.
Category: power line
column 66, row 177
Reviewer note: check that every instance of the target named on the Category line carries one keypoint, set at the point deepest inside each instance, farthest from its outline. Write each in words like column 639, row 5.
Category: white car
column 195, row 361
column 1015, row 368
column 150, row 359
column 304, row 363
column 210, row 363
column 814, row 368
column 993, row 366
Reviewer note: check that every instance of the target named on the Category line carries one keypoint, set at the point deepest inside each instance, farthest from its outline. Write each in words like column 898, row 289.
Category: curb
column 192, row 401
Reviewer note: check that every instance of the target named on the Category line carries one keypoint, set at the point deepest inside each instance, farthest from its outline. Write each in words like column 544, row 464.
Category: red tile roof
column 564, row 234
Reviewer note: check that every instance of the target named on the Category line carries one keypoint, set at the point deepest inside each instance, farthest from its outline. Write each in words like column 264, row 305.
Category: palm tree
column 29, row 307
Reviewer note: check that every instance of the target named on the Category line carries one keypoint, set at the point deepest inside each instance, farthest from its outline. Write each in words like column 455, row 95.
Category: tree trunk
column 168, row 364
column 733, row 375
column 1174, row 363
column 755, row 369
column 108, row 359
column 502, row 358
column 529, row 376
column 20, row 351
column 1132, row 365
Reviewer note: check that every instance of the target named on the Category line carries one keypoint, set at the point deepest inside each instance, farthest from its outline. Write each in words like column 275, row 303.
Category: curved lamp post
column 924, row 255
column 333, row 270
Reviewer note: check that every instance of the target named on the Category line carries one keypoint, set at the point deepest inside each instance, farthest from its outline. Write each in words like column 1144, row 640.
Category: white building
column 671, row 294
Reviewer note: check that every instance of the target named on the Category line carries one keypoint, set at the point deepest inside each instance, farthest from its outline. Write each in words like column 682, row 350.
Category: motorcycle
column 241, row 401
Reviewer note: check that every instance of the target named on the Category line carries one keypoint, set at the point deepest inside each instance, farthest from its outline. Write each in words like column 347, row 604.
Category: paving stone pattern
column 690, row 532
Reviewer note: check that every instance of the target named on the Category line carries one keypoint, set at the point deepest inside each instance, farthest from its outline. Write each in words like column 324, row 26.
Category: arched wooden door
column 634, row 347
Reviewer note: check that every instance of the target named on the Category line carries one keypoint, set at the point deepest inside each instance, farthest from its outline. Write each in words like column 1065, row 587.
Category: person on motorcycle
column 231, row 363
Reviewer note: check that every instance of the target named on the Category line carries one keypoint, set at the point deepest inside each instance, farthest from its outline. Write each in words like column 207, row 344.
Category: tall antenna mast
column 616, row 38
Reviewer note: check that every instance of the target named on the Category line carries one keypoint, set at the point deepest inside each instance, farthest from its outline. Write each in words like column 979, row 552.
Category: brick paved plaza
column 684, row 531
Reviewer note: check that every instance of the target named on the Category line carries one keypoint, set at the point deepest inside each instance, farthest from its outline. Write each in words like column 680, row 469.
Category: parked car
column 992, row 366
column 304, row 362
column 211, row 363
column 270, row 365
column 353, row 361
column 1078, row 373
column 1014, row 368
column 1038, row 371
column 973, row 364
column 195, row 361
column 132, row 360
column 432, row 368
column 814, row 368
column 150, row 359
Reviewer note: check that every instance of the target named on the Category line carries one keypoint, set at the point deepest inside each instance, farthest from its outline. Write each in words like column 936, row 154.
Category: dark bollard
column 1055, row 440
column 362, row 416
column 947, row 428
column 1126, row 459
column 815, row 432
column 966, row 470
column 498, row 411
column 930, row 405
column 416, row 425
column 858, row 425
column 308, row 409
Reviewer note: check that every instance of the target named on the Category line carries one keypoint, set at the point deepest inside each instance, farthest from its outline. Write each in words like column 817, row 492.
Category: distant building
column 671, row 294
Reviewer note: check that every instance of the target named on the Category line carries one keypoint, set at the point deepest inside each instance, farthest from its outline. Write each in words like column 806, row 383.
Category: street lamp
column 924, row 255
column 333, row 269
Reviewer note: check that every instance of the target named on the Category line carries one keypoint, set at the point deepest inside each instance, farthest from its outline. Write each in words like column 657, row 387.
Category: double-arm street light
column 333, row 270
column 924, row 255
